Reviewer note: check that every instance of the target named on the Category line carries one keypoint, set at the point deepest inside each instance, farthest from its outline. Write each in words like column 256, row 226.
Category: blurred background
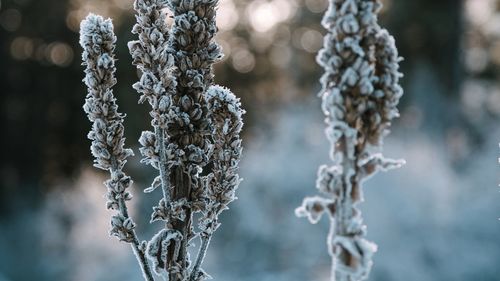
column 434, row 219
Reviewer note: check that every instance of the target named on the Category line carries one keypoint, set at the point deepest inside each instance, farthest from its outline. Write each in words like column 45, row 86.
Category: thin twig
column 205, row 241
column 139, row 254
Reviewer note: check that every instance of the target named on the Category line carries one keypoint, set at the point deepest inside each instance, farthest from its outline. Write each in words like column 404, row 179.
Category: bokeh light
column 60, row 54
column 21, row 48
column 316, row 6
column 264, row 15
column 479, row 11
column 79, row 9
column 311, row 40
column 10, row 19
column 280, row 56
column 227, row 15
column 243, row 61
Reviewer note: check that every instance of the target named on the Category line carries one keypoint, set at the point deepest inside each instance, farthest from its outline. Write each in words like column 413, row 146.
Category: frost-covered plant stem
column 98, row 41
column 176, row 65
column 160, row 135
column 205, row 241
column 137, row 248
column 221, row 184
column 359, row 98
column 151, row 57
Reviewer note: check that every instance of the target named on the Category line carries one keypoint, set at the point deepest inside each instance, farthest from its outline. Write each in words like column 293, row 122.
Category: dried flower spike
column 98, row 42
column 188, row 116
column 359, row 98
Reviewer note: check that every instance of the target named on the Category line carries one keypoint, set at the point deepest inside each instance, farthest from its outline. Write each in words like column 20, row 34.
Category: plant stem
column 143, row 262
column 160, row 137
column 139, row 254
column 175, row 258
column 205, row 241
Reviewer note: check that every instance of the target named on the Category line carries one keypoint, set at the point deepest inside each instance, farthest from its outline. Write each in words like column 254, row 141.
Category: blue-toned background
column 436, row 219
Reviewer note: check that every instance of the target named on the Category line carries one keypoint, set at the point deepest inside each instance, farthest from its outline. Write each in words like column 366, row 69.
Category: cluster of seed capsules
column 360, row 92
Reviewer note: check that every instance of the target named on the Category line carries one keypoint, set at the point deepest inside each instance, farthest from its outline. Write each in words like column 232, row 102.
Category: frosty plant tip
column 195, row 128
column 360, row 92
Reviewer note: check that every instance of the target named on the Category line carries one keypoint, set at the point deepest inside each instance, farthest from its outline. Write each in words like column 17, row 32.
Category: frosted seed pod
column 327, row 102
column 365, row 69
column 128, row 224
column 156, row 36
column 398, row 91
column 91, row 81
column 339, row 47
column 370, row 104
column 117, row 220
column 386, row 80
column 338, row 99
column 183, row 40
column 350, row 77
column 376, row 119
column 186, row 102
column 183, row 65
column 236, row 144
column 335, row 62
column 164, row 103
column 366, row 18
column 361, row 108
column 349, row 24
column 338, row 112
column 312, row 208
column 196, row 113
column 365, row 86
column 379, row 94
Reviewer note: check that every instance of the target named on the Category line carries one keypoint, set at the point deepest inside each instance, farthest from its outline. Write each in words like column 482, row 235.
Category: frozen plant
column 194, row 145
column 360, row 92
column 220, row 185
column 189, row 116
column 98, row 42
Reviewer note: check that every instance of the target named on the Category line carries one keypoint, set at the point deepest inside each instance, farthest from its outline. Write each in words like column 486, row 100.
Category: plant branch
column 163, row 169
column 202, row 251
column 135, row 244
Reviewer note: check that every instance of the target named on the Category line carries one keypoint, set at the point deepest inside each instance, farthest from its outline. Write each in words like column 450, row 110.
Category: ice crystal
column 359, row 97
